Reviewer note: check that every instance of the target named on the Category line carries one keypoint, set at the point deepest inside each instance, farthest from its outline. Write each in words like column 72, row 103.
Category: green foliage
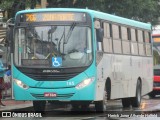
column 141, row 10
column 6, row 4
column 12, row 6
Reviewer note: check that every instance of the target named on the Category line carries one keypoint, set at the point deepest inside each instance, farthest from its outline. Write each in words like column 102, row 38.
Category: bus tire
column 108, row 89
column 126, row 102
column 152, row 95
column 39, row 106
column 136, row 101
column 100, row 106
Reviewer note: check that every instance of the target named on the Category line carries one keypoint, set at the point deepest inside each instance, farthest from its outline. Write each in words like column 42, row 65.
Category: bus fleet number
column 71, row 83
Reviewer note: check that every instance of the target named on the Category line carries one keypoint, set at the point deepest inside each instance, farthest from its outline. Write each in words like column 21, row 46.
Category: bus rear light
column 21, row 84
column 85, row 83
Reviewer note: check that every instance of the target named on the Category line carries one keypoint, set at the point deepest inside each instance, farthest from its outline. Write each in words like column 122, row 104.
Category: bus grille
column 56, row 74
column 59, row 96
column 51, row 77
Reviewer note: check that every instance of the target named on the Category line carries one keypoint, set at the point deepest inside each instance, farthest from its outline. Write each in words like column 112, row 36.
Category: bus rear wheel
column 152, row 95
column 136, row 101
column 39, row 106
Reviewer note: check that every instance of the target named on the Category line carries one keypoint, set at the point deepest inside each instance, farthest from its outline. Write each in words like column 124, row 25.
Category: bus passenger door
column 99, row 61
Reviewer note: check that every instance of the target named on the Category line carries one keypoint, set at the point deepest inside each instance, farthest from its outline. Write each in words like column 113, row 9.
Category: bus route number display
column 44, row 17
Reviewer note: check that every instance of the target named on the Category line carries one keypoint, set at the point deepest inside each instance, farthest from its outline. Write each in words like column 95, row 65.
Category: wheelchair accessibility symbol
column 56, row 61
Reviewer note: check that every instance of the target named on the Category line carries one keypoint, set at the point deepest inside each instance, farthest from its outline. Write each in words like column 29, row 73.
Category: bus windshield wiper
column 70, row 32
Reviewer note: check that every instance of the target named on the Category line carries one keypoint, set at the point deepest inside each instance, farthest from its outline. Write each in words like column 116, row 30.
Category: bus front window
column 36, row 46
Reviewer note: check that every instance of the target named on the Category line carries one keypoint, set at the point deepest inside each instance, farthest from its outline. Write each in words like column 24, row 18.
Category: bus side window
column 125, row 41
column 144, row 42
column 134, row 44
column 140, row 42
column 117, row 45
column 148, row 47
column 107, row 41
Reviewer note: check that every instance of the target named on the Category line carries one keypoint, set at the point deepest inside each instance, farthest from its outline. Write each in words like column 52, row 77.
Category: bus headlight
column 85, row 83
column 21, row 84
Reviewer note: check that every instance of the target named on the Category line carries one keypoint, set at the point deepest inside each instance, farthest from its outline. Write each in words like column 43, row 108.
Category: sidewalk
column 12, row 105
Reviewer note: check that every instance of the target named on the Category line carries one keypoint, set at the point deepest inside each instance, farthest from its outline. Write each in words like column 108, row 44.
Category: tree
column 5, row 5
column 13, row 6
column 141, row 10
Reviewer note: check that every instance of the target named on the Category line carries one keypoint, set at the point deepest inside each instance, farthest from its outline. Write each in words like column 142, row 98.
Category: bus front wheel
column 100, row 106
column 39, row 106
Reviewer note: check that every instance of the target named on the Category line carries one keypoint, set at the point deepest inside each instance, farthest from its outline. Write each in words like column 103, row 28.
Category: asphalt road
column 149, row 109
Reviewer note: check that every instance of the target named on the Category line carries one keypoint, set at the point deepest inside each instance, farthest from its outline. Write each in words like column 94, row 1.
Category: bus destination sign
column 52, row 16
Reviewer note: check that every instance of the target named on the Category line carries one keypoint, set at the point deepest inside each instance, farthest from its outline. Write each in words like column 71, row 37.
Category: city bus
column 81, row 57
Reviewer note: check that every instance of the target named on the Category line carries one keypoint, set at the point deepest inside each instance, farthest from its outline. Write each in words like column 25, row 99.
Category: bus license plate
column 50, row 94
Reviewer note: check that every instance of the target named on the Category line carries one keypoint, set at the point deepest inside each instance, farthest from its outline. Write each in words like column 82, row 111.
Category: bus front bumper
column 66, row 94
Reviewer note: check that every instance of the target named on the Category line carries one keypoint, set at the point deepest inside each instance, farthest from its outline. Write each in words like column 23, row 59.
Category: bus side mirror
column 100, row 34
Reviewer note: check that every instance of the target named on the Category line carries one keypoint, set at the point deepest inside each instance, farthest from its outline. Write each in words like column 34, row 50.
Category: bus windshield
column 37, row 46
